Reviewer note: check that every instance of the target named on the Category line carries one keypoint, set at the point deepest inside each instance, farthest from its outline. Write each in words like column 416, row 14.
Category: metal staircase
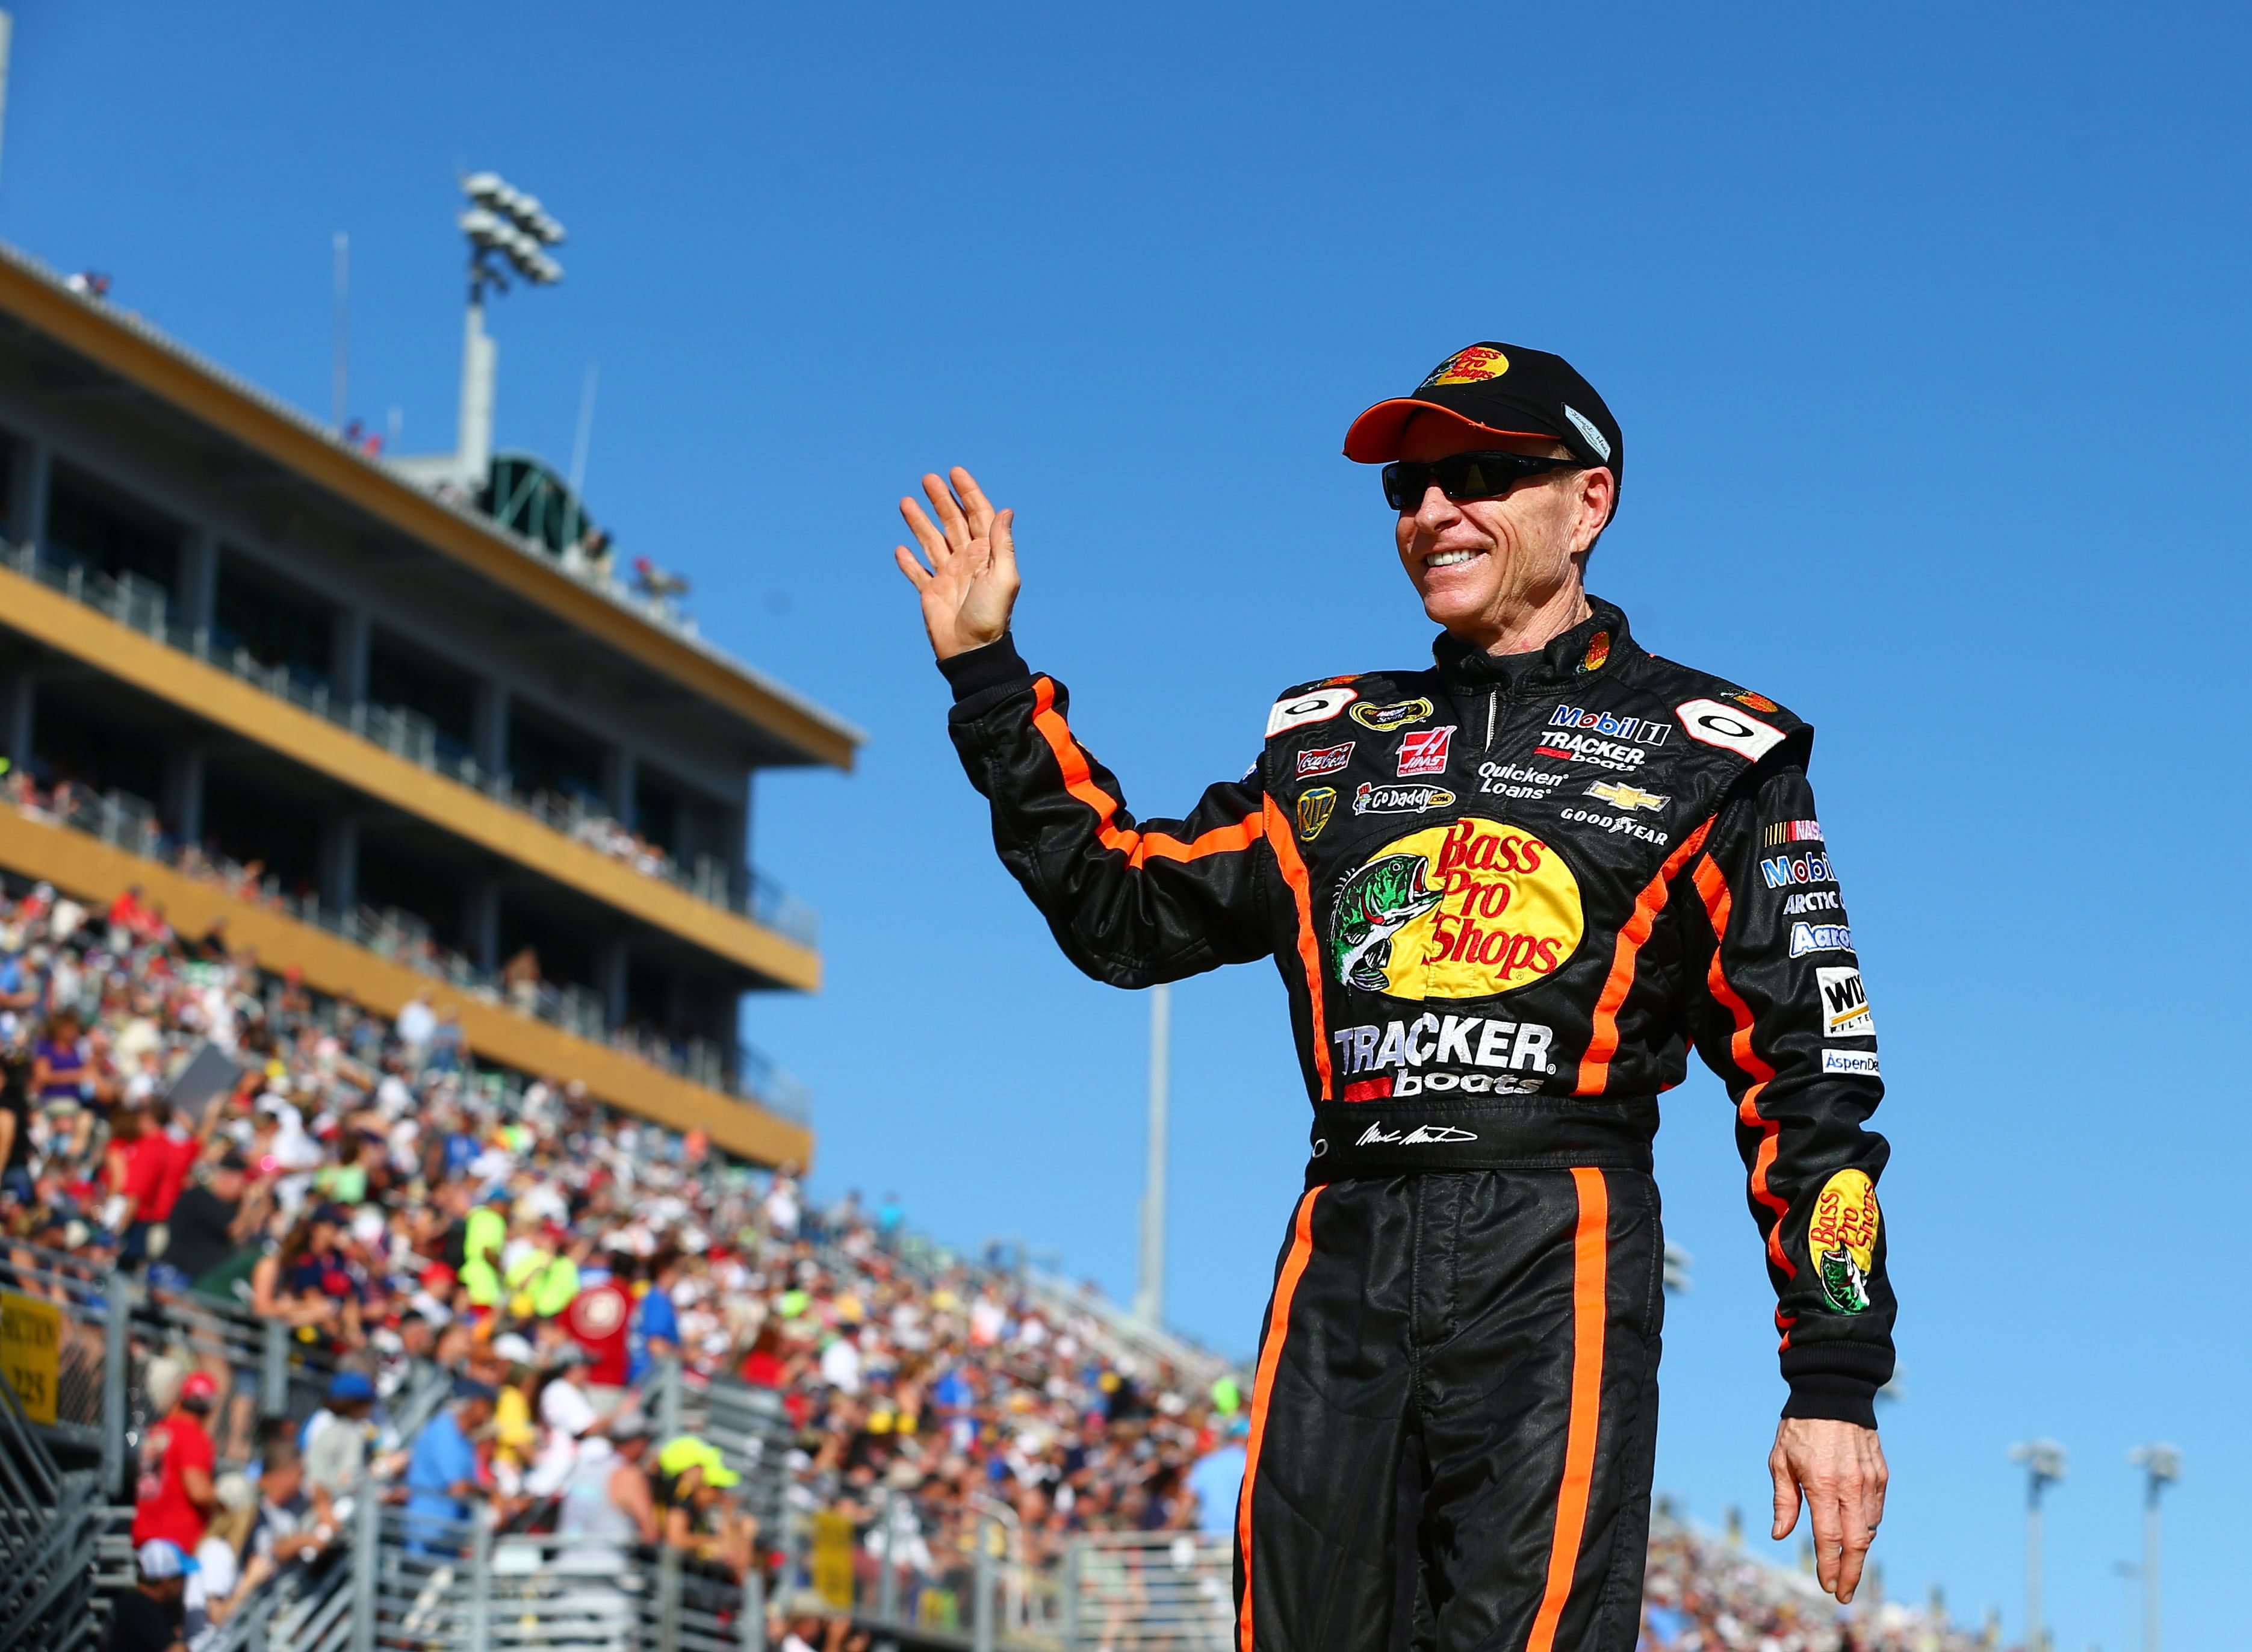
column 51, row 1521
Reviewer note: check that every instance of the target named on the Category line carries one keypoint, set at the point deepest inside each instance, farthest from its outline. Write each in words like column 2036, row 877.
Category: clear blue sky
column 1928, row 328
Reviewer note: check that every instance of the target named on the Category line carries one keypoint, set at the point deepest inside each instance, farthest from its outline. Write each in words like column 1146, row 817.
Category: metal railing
column 1131, row 1590
column 49, row 1520
column 143, row 606
column 130, row 822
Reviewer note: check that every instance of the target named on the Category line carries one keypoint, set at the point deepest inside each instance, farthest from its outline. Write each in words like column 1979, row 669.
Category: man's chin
column 1451, row 609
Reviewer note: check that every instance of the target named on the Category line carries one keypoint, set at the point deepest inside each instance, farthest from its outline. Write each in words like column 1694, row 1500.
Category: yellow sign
column 1463, row 910
column 832, row 1558
column 31, row 1352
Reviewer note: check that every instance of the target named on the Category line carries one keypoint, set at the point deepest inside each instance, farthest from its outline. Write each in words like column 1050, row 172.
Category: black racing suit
column 1505, row 895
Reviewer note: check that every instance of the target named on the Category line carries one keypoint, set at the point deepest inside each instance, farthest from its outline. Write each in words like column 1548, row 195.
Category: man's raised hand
column 971, row 584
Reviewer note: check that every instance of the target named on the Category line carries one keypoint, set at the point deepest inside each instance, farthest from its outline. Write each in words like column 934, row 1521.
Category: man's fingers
column 917, row 575
column 1823, row 1505
column 1876, row 1477
column 1786, row 1493
column 973, row 500
column 950, row 511
column 1003, row 535
column 926, row 533
column 1849, row 1571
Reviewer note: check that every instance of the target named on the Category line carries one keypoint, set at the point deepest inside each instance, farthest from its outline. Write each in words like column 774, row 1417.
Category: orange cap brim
column 1374, row 437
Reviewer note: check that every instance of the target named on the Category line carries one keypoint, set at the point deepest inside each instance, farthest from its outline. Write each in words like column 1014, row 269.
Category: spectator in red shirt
column 599, row 1318
column 178, row 1150
column 139, row 1163
column 173, row 1496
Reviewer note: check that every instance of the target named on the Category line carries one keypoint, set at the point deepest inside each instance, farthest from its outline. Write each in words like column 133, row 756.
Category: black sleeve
column 1783, row 1017
column 1131, row 904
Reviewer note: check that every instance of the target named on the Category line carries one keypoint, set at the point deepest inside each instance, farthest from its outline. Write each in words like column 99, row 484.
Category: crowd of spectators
column 528, row 1263
column 413, row 1222
column 1703, row 1594
column 397, row 936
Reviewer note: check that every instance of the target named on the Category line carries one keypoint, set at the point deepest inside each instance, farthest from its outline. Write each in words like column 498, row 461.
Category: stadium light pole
column 2161, row 1465
column 509, row 232
column 2044, row 1461
column 1150, row 1292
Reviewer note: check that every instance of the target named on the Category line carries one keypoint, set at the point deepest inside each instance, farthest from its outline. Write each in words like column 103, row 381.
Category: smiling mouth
column 1452, row 559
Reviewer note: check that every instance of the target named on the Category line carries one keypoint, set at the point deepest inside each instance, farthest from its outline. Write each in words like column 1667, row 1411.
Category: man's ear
column 1598, row 499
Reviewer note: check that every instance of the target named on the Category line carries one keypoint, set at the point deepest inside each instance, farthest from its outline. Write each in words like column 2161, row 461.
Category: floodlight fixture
column 503, row 220
column 2044, row 1460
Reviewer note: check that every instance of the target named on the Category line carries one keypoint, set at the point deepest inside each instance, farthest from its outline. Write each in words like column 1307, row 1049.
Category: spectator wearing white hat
column 148, row 1618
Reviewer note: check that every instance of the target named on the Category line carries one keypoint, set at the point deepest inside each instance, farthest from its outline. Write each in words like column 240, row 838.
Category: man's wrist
column 976, row 670
column 1833, row 1395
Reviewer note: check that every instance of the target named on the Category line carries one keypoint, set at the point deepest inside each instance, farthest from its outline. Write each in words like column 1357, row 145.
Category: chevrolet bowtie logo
column 1619, row 795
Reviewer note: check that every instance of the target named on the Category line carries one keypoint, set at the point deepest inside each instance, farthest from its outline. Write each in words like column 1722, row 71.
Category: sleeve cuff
column 976, row 670
column 1833, row 1395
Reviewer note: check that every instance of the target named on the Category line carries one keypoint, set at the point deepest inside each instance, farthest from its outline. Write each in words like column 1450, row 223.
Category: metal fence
column 49, row 1520
column 1141, row 1592
column 143, row 606
column 130, row 822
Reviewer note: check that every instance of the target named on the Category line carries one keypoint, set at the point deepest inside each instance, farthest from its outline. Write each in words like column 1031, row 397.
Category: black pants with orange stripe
column 1454, row 1417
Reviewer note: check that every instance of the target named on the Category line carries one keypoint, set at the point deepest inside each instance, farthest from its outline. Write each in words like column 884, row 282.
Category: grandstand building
column 411, row 741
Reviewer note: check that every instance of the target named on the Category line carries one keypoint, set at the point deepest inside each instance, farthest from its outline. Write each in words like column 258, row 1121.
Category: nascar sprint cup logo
column 1463, row 910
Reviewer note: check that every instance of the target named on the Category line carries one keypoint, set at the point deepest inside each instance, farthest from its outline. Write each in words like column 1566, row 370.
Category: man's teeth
column 1448, row 559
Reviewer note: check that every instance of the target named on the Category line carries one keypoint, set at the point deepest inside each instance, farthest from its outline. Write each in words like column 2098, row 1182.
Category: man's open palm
column 971, row 582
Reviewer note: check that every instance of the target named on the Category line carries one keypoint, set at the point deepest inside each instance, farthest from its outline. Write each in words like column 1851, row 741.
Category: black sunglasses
column 1466, row 475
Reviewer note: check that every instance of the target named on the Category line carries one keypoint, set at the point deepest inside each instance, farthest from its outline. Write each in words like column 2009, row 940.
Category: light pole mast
column 508, row 231
column 2044, row 1461
column 1149, row 1295
column 2161, row 1466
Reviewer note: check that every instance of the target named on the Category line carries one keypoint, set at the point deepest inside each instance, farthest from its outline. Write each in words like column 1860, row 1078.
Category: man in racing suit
column 1506, row 893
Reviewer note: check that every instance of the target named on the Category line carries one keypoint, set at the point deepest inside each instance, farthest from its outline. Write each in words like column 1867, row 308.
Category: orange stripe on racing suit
column 1590, row 1284
column 1309, row 950
column 1262, row 1389
column 1712, row 889
column 1602, row 1040
column 1079, row 780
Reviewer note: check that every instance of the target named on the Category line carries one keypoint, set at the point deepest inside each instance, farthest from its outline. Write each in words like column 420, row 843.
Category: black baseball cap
column 1503, row 390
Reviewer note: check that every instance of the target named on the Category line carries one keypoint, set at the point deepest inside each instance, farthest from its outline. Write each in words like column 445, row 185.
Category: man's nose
column 1437, row 510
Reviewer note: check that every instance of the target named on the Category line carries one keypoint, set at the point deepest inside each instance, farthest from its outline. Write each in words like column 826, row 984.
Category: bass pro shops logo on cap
column 1468, row 366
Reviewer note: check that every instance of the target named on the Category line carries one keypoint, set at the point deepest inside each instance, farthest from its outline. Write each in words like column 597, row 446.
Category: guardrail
column 49, row 1520
column 124, row 821
column 1131, row 1590
column 143, row 607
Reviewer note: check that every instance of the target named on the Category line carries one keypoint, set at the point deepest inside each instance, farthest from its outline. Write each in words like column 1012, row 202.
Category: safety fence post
column 982, row 1626
column 116, row 1365
column 481, row 1544
column 668, row 1399
column 887, row 1582
column 668, row 1599
column 752, row 1630
column 367, row 1554
column 1071, row 1566
column 273, row 1369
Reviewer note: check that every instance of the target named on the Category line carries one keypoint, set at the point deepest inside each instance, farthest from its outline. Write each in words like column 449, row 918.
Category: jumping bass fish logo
column 1315, row 806
column 1473, row 366
column 1598, row 654
column 1372, row 907
column 1841, row 1240
column 1467, row 909
column 1398, row 714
